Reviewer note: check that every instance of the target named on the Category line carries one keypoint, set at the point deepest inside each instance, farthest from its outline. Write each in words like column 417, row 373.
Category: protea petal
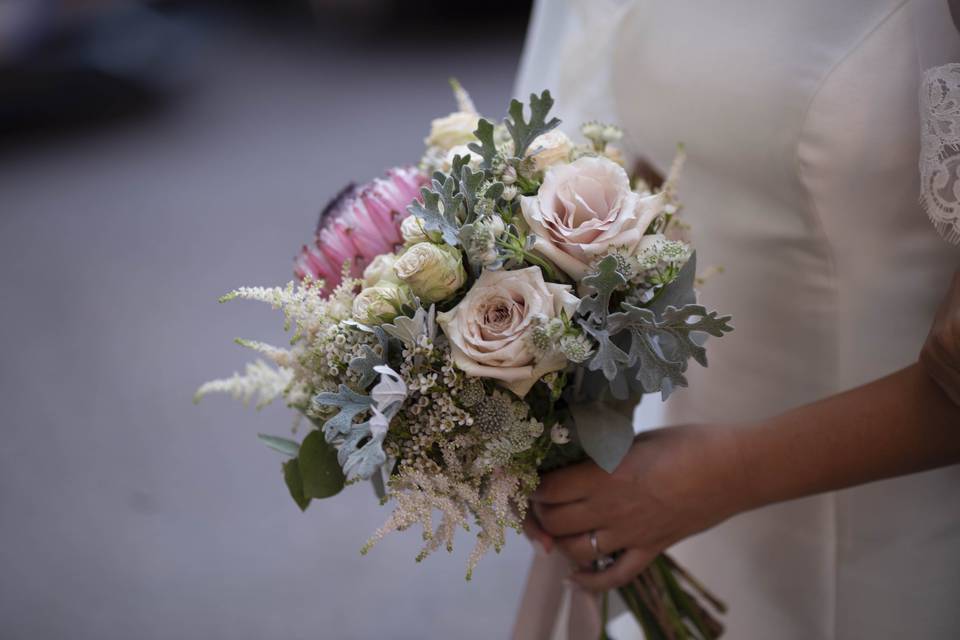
column 359, row 224
column 366, row 232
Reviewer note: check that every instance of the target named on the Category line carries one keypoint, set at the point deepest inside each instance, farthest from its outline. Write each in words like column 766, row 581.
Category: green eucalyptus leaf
column 283, row 445
column 319, row 470
column 291, row 475
column 605, row 431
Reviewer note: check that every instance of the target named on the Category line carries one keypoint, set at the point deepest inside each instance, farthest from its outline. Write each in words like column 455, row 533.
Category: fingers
column 567, row 519
column 579, row 549
column 568, row 484
column 627, row 567
column 536, row 534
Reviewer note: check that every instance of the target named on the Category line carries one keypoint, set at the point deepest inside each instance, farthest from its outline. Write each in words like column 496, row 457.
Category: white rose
column 412, row 231
column 433, row 271
column 379, row 304
column 489, row 328
column 452, row 130
column 550, row 148
column 585, row 209
column 380, row 270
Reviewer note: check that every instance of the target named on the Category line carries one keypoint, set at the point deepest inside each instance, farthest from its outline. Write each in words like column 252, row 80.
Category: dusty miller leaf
column 487, row 149
column 601, row 285
column 440, row 209
column 365, row 364
column 350, row 403
column 361, row 453
column 609, row 357
column 408, row 330
column 525, row 132
column 660, row 349
column 470, row 183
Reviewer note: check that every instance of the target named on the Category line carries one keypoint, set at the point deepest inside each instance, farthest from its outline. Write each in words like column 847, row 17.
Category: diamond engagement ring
column 602, row 561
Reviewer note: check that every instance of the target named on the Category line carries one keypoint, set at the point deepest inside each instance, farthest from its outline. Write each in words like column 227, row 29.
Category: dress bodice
column 801, row 126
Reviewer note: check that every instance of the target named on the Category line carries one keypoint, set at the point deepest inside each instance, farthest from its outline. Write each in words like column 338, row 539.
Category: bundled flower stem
column 664, row 609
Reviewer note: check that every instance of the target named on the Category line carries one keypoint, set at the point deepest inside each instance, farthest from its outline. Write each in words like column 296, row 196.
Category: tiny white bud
column 559, row 434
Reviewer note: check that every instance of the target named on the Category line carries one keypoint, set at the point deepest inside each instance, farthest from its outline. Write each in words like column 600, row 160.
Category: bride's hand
column 673, row 483
column 941, row 352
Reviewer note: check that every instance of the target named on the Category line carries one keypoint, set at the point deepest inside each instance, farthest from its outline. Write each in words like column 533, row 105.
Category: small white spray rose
column 452, row 130
column 380, row 270
column 489, row 330
column 549, row 149
column 412, row 230
column 433, row 271
column 559, row 434
column 380, row 303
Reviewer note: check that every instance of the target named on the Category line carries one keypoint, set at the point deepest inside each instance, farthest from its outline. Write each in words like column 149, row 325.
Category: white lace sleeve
column 940, row 148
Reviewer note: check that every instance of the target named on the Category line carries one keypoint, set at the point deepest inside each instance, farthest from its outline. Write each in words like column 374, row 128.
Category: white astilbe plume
column 280, row 357
column 302, row 304
column 260, row 380
column 418, row 494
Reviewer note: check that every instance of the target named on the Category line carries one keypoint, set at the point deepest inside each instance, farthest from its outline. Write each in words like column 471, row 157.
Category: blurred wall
column 125, row 511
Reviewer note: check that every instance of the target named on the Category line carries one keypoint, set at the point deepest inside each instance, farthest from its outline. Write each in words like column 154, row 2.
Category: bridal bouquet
column 463, row 326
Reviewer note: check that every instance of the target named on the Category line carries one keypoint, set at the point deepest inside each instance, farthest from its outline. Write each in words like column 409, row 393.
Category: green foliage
column 525, row 132
column 320, row 472
column 408, row 330
column 679, row 292
column 441, row 209
column 364, row 365
column 601, row 285
column 285, row 446
column 291, row 475
column 351, row 404
column 605, row 431
column 487, row 149
column 646, row 347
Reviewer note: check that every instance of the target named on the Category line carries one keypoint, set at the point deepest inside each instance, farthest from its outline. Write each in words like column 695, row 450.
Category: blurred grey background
column 153, row 157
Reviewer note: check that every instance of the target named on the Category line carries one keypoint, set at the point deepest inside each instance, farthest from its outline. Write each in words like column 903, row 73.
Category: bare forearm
column 900, row 424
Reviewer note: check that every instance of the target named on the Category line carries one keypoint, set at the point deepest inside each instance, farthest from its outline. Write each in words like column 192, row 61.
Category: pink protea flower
column 358, row 225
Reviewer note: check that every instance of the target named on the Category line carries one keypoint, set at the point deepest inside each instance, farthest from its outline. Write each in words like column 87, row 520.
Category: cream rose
column 583, row 210
column 381, row 269
column 433, row 271
column 380, row 303
column 489, row 328
column 550, row 148
column 452, row 130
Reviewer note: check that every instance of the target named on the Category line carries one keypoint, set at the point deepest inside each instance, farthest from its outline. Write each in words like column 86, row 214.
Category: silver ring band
column 593, row 543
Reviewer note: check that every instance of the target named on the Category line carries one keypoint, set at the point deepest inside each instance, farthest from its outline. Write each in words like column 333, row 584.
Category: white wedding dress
column 802, row 127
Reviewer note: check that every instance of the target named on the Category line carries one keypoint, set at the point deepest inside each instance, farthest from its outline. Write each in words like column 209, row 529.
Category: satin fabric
column 801, row 128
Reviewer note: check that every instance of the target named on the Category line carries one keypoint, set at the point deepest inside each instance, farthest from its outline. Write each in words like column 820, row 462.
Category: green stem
column 604, row 615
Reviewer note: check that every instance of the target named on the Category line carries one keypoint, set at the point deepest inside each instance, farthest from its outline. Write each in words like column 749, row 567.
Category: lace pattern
column 940, row 148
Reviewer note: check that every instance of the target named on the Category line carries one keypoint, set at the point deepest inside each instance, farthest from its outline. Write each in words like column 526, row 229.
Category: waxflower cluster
column 450, row 319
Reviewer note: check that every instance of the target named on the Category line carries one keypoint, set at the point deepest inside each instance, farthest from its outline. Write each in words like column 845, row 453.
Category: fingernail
column 547, row 545
column 538, row 548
